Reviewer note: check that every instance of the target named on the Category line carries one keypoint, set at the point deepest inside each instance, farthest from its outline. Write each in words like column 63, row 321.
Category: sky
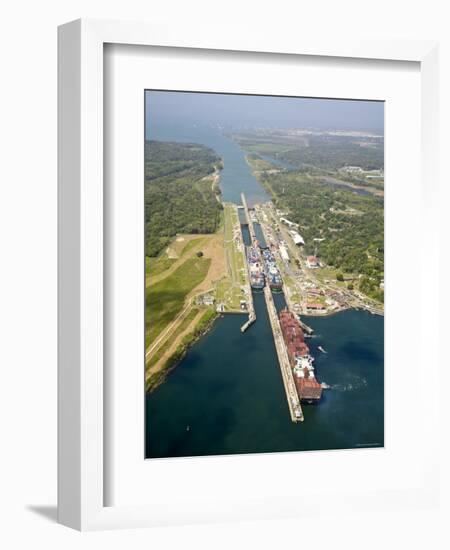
column 246, row 111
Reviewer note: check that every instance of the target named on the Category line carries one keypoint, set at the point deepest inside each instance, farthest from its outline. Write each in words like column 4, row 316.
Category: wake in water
column 357, row 383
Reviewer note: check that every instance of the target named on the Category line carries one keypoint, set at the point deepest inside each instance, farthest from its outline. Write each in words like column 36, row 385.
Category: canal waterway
column 229, row 391
column 227, row 396
column 236, row 176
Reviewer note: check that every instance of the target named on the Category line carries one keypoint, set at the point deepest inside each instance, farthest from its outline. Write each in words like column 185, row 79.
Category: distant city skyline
column 250, row 111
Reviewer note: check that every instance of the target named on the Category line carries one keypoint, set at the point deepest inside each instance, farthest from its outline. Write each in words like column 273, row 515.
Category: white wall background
column 28, row 270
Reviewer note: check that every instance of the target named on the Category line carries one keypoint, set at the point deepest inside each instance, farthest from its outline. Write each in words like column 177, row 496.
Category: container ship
column 255, row 269
column 272, row 273
column 308, row 388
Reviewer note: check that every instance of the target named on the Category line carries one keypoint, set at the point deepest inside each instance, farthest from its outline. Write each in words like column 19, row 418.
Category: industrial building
column 312, row 262
column 288, row 223
column 297, row 238
column 284, row 253
column 205, row 299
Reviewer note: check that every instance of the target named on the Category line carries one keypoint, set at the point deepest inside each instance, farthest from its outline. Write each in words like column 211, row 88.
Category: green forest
column 323, row 152
column 334, row 153
column 344, row 228
column 178, row 198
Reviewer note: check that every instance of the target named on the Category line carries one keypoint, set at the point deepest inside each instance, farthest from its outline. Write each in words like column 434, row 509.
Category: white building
column 205, row 299
column 288, row 223
column 312, row 262
column 297, row 238
column 352, row 169
column 284, row 253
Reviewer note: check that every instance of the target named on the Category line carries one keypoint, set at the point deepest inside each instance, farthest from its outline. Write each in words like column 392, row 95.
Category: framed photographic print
column 234, row 330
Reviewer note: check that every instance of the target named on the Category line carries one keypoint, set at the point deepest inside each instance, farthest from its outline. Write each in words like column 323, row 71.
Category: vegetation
column 371, row 287
column 322, row 151
column 156, row 266
column 171, row 298
column 181, row 248
column 332, row 153
column 257, row 163
column 158, row 354
column 165, row 299
column 179, row 197
column 203, row 326
column 360, row 179
column 320, row 154
column 228, row 289
column 344, row 228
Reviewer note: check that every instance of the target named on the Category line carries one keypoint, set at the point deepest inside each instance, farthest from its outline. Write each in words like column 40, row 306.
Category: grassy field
column 153, row 379
column 236, row 257
column 181, row 246
column 184, row 244
column 171, row 257
column 229, row 218
column 264, row 148
column 229, row 289
column 156, row 356
column 293, row 290
column 257, row 163
column 176, row 277
column 165, row 299
column 329, row 274
column 172, row 281
column 156, row 266
column 228, row 294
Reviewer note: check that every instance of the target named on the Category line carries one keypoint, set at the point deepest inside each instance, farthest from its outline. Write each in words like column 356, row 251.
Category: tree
column 199, row 254
column 339, row 277
column 178, row 198
column 350, row 286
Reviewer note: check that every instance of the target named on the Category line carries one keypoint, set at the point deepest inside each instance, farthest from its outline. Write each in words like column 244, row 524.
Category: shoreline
column 377, row 309
column 372, row 190
column 336, row 311
column 174, row 360
column 166, row 370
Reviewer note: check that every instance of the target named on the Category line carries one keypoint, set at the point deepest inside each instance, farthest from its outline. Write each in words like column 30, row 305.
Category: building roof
column 297, row 237
column 315, row 305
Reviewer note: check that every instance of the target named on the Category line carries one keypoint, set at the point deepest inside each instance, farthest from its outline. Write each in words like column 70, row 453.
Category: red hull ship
column 308, row 388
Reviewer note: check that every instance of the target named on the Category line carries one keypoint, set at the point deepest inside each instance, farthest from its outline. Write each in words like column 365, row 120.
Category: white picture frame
column 81, row 400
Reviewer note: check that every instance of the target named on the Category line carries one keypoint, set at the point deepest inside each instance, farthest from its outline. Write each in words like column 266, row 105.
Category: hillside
column 180, row 192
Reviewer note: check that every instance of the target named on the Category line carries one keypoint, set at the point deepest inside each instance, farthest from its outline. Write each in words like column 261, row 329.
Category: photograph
column 220, row 198
column 264, row 274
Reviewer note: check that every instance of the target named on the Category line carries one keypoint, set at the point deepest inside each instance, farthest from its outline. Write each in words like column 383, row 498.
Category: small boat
column 188, row 428
column 325, row 386
column 320, row 348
